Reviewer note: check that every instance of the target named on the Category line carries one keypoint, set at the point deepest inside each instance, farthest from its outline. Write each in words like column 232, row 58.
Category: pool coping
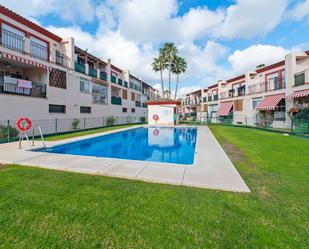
column 211, row 169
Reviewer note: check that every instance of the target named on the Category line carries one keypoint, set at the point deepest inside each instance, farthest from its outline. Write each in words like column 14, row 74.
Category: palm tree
column 179, row 66
column 159, row 65
column 169, row 51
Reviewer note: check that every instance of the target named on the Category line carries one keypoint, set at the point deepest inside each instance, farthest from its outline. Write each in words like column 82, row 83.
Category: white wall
column 165, row 113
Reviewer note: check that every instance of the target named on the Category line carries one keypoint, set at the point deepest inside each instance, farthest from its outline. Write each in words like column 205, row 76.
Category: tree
column 159, row 65
column 179, row 66
column 169, row 52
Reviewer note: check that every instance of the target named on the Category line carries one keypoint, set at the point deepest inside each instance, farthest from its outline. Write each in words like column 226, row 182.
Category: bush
column 142, row 119
column 110, row 121
column 75, row 123
column 4, row 131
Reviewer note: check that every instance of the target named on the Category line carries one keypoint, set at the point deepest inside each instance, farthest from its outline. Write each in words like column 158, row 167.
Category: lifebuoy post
column 155, row 118
column 23, row 125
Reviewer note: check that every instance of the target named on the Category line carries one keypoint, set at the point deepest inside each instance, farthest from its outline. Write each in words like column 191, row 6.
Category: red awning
column 299, row 94
column 225, row 108
column 26, row 61
column 270, row 102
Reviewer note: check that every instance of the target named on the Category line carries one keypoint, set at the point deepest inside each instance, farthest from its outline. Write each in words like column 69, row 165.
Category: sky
column 218, row 39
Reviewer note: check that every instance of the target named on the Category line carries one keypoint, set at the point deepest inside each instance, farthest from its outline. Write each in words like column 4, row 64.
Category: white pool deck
column 212, row 168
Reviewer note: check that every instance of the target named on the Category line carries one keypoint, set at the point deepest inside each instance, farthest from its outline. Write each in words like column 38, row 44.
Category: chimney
column 260, row 66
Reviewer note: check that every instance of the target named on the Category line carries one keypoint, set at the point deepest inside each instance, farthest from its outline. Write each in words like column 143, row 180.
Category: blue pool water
column 169, row 145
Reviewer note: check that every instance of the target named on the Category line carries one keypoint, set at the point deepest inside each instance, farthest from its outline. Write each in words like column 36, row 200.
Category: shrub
column 142, row 119
column 75, row 123
column 110, row 121
column 4, row 131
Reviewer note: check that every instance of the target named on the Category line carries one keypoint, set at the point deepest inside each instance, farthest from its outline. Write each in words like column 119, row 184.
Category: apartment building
column 267, row 95
column 44, row 76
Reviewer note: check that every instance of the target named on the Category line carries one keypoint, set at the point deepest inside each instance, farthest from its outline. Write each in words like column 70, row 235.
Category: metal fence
column 9, row 133
column 297, row 125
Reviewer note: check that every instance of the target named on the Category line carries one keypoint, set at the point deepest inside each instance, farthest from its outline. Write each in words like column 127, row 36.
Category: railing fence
column 9, row 133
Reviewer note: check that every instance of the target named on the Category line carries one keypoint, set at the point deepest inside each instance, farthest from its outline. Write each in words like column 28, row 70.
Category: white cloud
column 299, row 11
column 75, row 11
column 249, row 18
column 247, row 59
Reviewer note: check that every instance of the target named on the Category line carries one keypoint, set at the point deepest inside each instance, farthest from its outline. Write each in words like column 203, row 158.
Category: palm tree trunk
column 162, row 84
column 169, row 80
column 177, row 77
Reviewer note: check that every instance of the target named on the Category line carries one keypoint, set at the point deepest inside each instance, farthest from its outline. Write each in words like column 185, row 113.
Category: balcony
column 116, row 101
column 93, row 72
column 12, row 41
column 103, row 75
column 38, row 51
column 37, row 90
column 80, row 67
column 120, row 82
column 138, row 104
column 114, row 79
column 61, row 59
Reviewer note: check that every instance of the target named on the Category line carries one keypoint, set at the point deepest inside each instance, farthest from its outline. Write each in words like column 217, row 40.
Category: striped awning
column 26, row 61
column 224, row 108
column 270, row 102
column 299, row 94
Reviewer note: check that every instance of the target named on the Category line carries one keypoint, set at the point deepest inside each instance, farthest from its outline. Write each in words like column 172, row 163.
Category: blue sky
column 219, row 39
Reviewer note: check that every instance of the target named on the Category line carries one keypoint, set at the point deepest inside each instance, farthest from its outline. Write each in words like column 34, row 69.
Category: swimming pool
column 164, row 144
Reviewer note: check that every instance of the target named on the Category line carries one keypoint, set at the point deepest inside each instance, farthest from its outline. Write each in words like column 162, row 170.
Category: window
column 99, row 94
column 58, row 78
column 124, row 94
column 255, row 102
column 133, row 110
column 212, row 109
column 80, row 60
column 133, row 96
column 12, row 38
column 124, row 109
column 57, row 109
column 299, row 79
column 238, row 105
column 38, row 49
column 272, row 81
column 85, row 85
column 85, row 109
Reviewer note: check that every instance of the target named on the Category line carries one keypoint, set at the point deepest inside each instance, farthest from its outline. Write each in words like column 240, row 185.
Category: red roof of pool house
column 163, row 101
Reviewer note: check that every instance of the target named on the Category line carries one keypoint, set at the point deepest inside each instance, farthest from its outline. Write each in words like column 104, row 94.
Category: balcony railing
column 103, row 75
column 80, row 67
column 38, row 51
column 37, row 90
column 62, row 59
column 114, row 79
column 116, row 101
column 93, row 72
column 138, row 104
column 12, row 41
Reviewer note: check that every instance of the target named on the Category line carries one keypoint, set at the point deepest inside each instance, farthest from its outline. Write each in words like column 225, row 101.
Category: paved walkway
column 211, row 169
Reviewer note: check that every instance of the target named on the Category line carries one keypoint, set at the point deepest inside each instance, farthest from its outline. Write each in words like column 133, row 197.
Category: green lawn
column 49, row 209
column 86, row 132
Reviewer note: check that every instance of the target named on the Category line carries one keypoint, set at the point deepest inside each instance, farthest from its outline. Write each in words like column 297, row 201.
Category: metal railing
column 116, row 101
column 12, row 41
column 80, row 67
column 103, row 75
column 62, row 59
column 93, row 72
column 37, row 90
column 9, row 133
column 38, row 51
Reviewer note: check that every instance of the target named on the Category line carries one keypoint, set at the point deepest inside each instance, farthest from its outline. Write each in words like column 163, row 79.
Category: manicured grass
column 86, row 132
column 49, row 209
